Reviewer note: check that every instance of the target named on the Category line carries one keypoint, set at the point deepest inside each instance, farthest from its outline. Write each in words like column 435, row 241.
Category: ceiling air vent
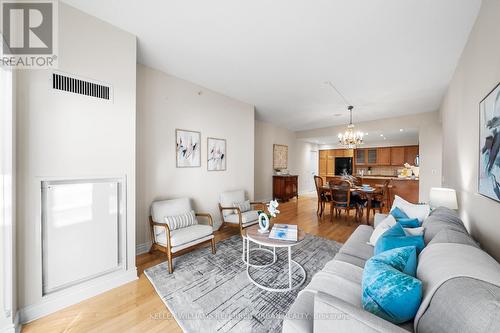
column 71, row 84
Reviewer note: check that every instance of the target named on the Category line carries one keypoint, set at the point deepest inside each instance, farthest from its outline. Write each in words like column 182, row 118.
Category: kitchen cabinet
column 411, row 153
column 348, row 152
column 371, row 156
column 323, row 156
column 330, row 163
column 397, row 156
column 360, row 156
column 384, row 156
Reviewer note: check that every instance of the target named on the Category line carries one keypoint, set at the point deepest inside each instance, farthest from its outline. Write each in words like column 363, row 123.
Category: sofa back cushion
column 453, row 236
column 440, row 264
column 440, row 219
column 463, row 305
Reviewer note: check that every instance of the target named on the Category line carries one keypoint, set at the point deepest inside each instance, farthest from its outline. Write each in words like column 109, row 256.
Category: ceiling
column 393, row 137
column 388, row 57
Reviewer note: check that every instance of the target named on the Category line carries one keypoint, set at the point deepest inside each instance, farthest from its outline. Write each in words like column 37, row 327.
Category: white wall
column 165, row 103
column 429, row 139
column 69, row 136
column 8, row 302
column 266, row 135
column 477, row 73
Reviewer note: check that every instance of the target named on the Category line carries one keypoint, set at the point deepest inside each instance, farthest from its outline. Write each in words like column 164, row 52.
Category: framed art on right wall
column 489, row 145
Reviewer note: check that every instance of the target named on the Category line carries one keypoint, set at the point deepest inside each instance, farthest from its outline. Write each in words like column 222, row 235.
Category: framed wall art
column 489, row 145
column 216, row 154
column 187, row 148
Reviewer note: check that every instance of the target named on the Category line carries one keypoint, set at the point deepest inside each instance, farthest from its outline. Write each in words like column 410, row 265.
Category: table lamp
column 443, row 197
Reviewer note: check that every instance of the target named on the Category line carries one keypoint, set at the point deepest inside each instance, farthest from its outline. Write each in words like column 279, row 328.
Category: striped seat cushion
column 181, row 221
column 244, row 206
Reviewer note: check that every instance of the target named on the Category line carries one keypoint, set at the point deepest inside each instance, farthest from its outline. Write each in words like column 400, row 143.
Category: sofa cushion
column 357, row 245
column 350, row 259
column 390, row 290
column 246, row 217
column 396, row 237
column 344, row 270
column 336, row 285
column 453, row 236
column 476, row 308
column 227, row 199
column 184, row 235
column 161, row 209
column 442, row 218
column 300, row 316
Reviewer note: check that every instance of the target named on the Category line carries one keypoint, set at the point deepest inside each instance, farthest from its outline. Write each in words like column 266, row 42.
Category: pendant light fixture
column 350, row 139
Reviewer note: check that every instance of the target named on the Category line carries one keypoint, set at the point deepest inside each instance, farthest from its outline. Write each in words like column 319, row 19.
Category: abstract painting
column 280, row 157
column 489, row 145
column 187, row 148
column 216, row 152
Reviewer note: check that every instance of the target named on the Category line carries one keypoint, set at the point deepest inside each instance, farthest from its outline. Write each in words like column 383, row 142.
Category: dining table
column 367, row 192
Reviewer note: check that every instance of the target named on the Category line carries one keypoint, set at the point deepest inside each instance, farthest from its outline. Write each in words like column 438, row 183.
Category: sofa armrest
column 331, row 314
column 378, row 218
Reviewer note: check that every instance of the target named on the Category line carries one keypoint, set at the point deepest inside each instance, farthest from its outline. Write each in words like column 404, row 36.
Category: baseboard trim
column 52, row 303
column 142, row 248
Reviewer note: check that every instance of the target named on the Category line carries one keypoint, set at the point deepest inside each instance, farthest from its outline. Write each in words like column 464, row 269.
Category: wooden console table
column 285, row 187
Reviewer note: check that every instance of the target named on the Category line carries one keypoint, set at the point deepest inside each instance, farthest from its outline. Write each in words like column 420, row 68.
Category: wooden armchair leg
column 170, row 265
column 213, row 245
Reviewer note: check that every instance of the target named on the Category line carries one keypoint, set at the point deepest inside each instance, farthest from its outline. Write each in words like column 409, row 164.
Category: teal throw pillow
column 396, row 237
column 389, row 287
column 398, row 213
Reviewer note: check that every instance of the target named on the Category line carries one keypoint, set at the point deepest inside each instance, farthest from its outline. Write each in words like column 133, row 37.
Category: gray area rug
column 212, row 293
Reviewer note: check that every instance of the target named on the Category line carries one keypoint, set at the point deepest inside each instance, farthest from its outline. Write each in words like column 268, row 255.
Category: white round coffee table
column 253, row 235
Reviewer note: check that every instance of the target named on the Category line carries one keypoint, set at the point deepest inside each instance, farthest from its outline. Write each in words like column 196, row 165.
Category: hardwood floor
column 135, row 307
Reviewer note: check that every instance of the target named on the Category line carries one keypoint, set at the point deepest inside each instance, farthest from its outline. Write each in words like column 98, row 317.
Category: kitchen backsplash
column 379, row 171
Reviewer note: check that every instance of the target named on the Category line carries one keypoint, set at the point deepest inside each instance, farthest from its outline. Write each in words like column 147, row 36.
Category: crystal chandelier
column 350, row 139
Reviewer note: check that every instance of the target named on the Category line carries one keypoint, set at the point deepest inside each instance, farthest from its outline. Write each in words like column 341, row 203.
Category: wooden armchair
column 233, row 216
column 171, row 239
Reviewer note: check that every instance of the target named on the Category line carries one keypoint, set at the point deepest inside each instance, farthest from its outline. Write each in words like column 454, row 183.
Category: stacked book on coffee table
column 286, row 232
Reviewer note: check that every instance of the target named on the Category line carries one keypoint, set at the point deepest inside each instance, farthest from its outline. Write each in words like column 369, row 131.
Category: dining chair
column 323, row 196
column 381, row 200
column 341, row 200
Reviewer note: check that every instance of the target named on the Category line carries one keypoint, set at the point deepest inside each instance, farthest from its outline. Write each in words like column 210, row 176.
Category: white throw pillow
column 388, row 223
column 244, row 206
column 420, row 212
column 414, row 231
column 382, row 227
column 181, row 221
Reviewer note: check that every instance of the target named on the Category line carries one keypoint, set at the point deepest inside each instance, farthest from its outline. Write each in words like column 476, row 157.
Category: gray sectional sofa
column 461, row 286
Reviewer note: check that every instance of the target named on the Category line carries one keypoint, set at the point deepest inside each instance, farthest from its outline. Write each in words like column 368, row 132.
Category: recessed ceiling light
column 385, row 138
column 366, row 133
column 381, row 135
column 401, row 130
